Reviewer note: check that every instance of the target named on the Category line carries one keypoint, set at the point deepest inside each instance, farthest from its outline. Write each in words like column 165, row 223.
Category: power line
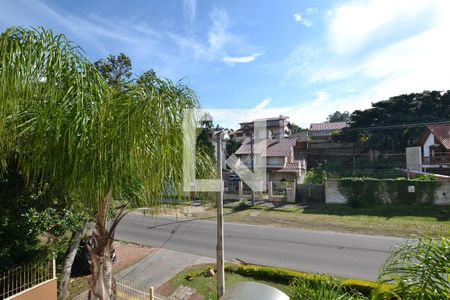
column 395, row 126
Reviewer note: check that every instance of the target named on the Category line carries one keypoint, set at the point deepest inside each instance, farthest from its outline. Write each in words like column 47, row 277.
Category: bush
column 315, row 176
column 384, row 291
column 333, row 290
column 371, row 191
column 361, row 191
column 284, row 276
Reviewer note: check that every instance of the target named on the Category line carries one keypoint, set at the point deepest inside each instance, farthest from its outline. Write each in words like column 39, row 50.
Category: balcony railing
column 443, row 159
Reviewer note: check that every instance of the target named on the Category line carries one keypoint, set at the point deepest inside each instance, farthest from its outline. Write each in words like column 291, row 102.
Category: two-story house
column 435, row 143
column 277, row 148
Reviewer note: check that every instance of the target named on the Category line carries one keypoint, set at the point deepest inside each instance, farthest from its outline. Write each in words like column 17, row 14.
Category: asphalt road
column 342, row 254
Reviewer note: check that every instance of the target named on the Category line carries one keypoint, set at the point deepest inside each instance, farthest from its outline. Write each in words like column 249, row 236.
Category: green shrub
column 361, row 191
column 284, row 276
column 315, row 176
column 367, row 288
column 332, row 290
column 371, row 191
column 398, row 193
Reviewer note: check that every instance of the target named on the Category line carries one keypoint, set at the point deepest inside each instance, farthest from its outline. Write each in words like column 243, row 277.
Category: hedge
column 383, row 291
column 372, row 191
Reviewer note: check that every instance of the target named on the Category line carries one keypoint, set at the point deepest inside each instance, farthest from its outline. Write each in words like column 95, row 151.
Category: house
column 301, row 147
column 276, row 127
column 276, row 147
column 321, row 147
column 435, row 143
column 324, row 131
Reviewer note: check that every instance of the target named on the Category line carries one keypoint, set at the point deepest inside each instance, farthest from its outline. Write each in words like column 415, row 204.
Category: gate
column 310, row 193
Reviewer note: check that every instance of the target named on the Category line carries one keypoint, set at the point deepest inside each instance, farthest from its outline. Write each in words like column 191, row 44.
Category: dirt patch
column 182, row 211
column 128, row 254
column 165, row 290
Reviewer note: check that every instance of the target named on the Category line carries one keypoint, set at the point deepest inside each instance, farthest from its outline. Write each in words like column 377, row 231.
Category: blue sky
column 300, row 58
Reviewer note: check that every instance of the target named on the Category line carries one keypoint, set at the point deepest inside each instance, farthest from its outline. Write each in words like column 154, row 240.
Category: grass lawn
column 206, row 286
column 389, row 220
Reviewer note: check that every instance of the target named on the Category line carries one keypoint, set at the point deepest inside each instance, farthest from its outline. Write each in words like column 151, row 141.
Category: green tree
column 338, row 116
column 294, row 128
column 116, row 69
column 391, row 119
column 205, row 135
column 232, row 145
column 103, row 146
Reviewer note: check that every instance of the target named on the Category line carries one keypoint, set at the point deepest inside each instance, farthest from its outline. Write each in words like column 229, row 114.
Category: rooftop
column 268, row 147
column 442, row 133
column 328, row 126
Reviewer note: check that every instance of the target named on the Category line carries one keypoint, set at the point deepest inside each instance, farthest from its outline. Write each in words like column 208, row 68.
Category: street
column 342, row 254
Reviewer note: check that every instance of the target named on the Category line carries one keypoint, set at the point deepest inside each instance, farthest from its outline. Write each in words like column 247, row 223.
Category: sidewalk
column 159, row 267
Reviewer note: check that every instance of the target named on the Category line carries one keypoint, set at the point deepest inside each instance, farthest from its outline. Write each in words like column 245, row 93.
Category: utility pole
column 219, row 204
column 252, row 155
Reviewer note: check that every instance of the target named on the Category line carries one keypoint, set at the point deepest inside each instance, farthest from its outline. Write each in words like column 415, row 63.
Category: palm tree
column 103, row 146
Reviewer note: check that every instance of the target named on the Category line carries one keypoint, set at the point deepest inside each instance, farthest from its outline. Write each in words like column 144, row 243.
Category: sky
column 301, row 58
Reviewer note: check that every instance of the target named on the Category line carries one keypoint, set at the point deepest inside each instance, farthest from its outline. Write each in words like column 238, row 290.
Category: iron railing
column 443, row 159
column 21, row 278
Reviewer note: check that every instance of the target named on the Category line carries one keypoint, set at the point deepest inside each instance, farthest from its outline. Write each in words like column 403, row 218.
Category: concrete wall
column 333, row 196
column 443, row 194
column 414, row 158
column 46, row 290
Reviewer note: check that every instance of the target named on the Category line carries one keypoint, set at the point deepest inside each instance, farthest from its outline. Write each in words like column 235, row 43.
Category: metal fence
column 128, row 291
column 279, row 187
column 24, row 277
column 310, row 193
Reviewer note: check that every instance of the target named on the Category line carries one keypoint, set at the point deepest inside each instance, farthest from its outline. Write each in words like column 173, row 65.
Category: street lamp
column 222, row 135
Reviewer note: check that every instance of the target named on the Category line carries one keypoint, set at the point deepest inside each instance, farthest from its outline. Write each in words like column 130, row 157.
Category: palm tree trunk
column 102, row 280
column 76, row 239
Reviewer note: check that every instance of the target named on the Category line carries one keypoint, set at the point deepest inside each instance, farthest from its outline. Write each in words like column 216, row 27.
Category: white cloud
column 356, row 25
column 239, row 60
column 306, row 22
column 168, row 51
column 218, row 35
column 220, row 41
column 410, row 63
column 303, row 114
column 263, row 103
column 298, row 18
column 376, row 49
column 311, row 10
column 189, row 9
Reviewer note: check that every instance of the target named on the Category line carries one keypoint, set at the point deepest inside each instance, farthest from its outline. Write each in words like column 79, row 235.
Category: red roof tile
column 442, row 133
column 328, row 126
column 269, row 147
column 293, row 167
